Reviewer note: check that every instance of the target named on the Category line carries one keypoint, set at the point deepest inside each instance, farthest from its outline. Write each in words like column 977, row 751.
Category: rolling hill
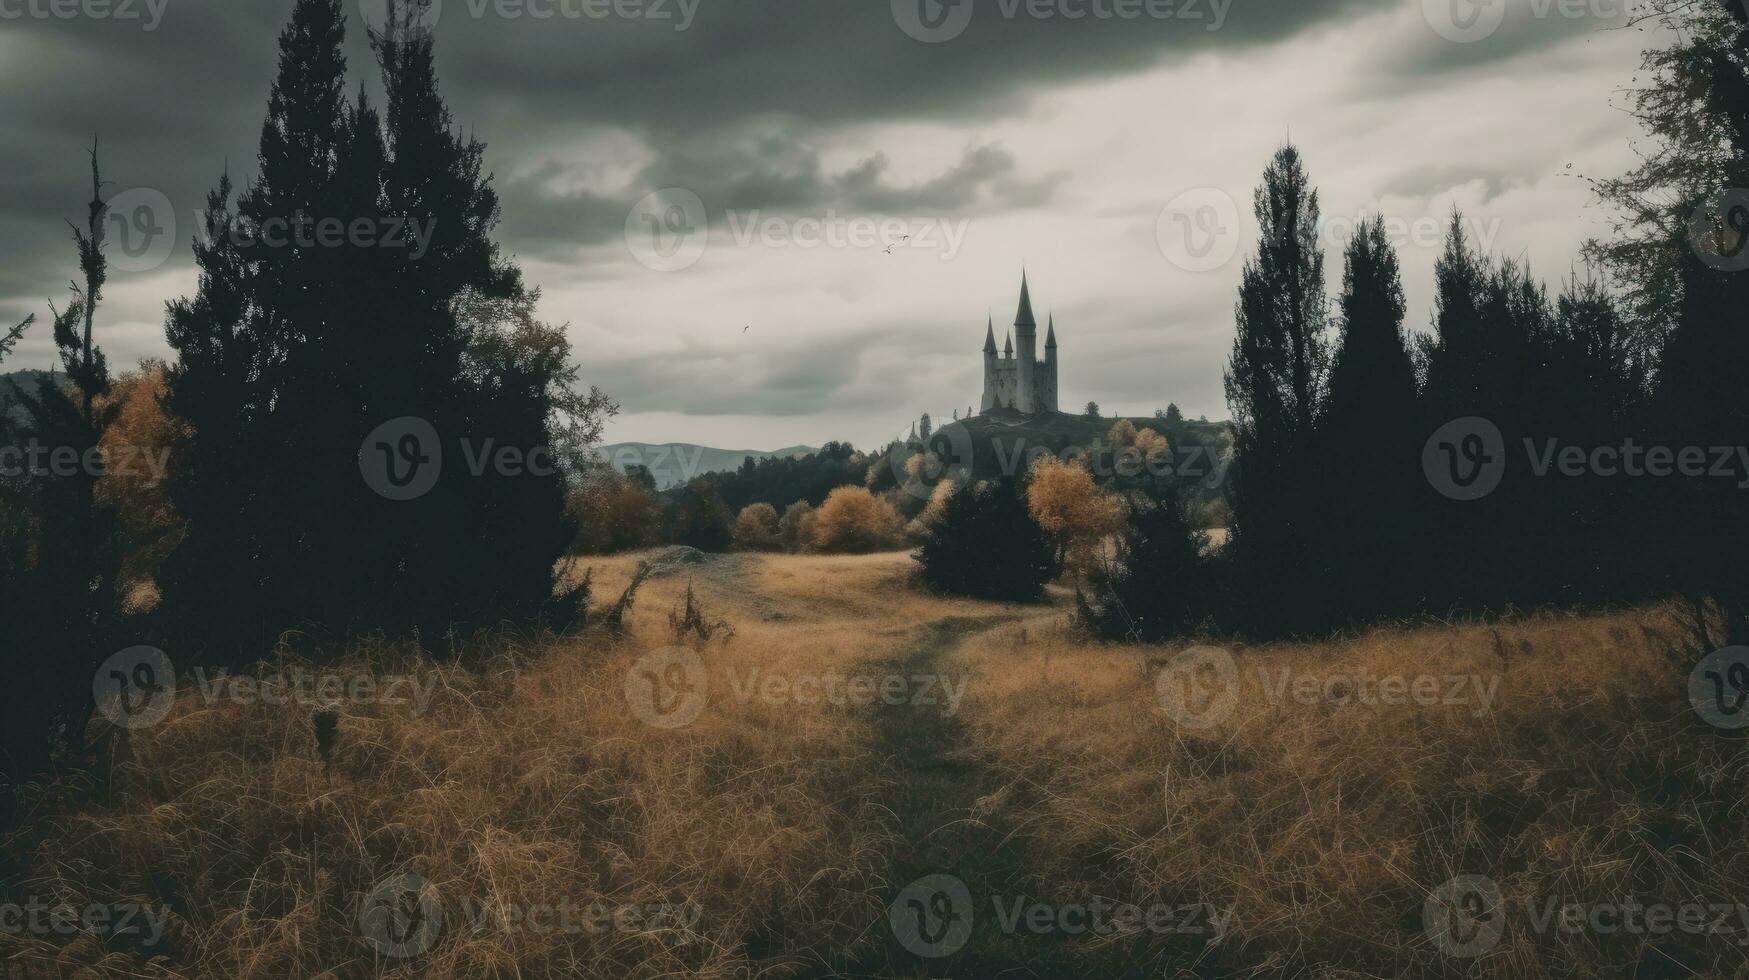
column 675, row 463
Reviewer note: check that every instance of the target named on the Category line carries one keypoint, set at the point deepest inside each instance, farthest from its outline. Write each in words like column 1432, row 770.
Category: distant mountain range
column 675, row 463
column 12, row 382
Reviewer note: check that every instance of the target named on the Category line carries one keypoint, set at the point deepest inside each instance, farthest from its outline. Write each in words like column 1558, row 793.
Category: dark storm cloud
column 740, row 105
column 175, row 104
column 779, row 175
column 785, row 379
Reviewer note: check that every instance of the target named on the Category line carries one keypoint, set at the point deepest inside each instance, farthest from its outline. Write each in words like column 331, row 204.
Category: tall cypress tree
column 1372, row 436
column 260, row 341
column 313, row 343
column 1275, row 385
column 217, row 583
column 67, row 616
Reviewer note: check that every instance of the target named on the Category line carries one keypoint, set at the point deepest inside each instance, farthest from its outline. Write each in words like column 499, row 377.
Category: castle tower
column 1026, row 387
column 1048, row 401
column 989, row 400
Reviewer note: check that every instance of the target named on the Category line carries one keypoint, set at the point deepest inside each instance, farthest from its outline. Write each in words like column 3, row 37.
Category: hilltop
column 677, row 463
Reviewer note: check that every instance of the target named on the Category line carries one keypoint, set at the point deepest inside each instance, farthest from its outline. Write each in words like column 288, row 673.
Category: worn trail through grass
column 962, row 852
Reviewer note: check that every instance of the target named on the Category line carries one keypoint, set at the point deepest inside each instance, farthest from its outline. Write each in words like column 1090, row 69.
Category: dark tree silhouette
column 1371, row 439
column 699, row 519
column 1683, row 226
column 65, row 621
column 1159, row 586
column 1275, row 384
column 299, row 347
column 987, row 545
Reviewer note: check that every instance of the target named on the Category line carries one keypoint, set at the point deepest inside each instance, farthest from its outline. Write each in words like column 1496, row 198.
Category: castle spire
column 1023, row 316
column 1051, row 333
column 990, row 336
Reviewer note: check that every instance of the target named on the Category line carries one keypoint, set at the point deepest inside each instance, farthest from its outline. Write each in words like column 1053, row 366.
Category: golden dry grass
column 1322, row 828
column 529, row 781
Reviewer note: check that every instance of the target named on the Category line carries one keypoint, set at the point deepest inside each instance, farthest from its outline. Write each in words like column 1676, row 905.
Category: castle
column 1017, row 379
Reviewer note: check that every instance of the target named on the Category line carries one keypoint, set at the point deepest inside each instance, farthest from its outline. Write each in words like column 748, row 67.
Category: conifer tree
column 1372, row 437
column 1677, row 256
column 67, row 611
column 987, row 545
column 1159, row 586
column 1275, row 385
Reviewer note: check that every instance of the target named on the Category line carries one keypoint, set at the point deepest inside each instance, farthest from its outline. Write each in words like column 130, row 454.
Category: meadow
column 858, row 778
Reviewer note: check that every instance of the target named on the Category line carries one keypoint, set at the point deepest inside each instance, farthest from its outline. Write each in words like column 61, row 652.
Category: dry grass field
column 612, row 807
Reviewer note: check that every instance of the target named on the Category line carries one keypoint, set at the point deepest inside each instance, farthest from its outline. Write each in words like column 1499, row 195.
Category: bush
column 140, row 440
column 1157, row 588
column 756, row 528
column 613, row 513
column 853, row 521
column 700, row 520
column 796, row 529
column 987, row 545
column 1073, row 512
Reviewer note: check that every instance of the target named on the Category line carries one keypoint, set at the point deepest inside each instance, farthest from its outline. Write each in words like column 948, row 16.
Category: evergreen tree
column 67, row 592
column 303, row 342
column 1593, row 390
column 1676, row 256
column 1159, row 586
column 1275, row 385
column 987, row 545
column 217, row 582
column 1487, row 360
column 1372, row 437
column 699, row 519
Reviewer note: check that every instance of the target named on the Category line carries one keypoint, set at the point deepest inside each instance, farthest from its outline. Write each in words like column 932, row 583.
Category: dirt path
column 960, row 850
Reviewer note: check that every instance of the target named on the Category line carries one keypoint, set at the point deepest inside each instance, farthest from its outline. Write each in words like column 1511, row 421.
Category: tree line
column 358, row 426
column 1579, row 449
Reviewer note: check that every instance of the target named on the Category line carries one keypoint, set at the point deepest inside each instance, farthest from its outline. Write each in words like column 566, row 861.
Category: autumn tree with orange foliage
column 756, row 528
column 1074, row 512
column 614, row 512
column 136, row 447
column 852, row 520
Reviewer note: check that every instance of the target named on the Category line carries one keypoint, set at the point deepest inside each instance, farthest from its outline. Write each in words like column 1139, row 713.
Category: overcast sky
column 707, row 191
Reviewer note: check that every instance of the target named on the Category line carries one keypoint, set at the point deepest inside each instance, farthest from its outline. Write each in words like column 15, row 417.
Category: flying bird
column 889, row 248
